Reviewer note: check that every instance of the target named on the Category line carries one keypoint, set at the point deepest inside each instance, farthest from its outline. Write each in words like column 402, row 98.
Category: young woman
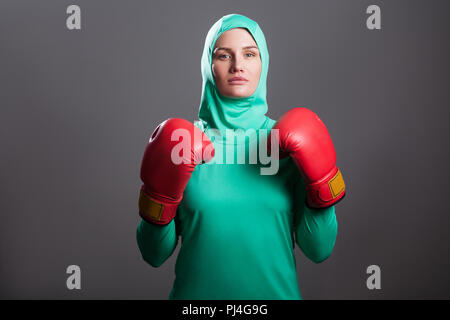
column 238, row 227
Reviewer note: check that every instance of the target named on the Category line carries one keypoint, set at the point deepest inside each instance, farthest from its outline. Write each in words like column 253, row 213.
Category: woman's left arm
column 315, row 229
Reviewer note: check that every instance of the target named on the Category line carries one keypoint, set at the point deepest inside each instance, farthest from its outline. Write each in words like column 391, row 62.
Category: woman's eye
column 249, row 54
column 223, row 56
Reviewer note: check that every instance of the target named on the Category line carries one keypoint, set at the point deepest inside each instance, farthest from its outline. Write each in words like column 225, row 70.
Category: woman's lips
column 237, row 81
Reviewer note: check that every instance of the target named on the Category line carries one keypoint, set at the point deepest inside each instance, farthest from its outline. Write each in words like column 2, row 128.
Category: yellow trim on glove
column 336, row 184
column 150, row 208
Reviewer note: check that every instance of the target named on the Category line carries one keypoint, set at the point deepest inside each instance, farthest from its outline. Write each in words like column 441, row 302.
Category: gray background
column 77, row 108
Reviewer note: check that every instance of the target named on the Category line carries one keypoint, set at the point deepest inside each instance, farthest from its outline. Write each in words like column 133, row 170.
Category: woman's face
column 236, row 63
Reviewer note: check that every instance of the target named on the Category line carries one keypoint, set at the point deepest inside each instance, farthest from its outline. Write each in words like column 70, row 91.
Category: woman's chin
column 236, row 94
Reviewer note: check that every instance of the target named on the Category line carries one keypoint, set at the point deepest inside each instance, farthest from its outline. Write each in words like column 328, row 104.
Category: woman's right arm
column 164, row 179
column 156, row 242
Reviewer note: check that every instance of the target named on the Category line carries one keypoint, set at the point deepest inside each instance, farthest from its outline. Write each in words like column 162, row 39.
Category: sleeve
column 156, row 242
column 315, row 230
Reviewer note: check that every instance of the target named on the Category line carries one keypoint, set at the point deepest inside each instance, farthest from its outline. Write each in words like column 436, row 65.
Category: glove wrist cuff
column 155, row 211
column 326, row 192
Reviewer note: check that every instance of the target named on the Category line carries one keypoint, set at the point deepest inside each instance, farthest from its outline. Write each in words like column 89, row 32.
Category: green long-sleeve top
column 238, row 230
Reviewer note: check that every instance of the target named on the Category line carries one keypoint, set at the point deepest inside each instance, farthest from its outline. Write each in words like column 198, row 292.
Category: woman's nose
column 237, row 65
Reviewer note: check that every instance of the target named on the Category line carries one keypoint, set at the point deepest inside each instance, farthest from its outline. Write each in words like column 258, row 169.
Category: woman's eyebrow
column 229, row 49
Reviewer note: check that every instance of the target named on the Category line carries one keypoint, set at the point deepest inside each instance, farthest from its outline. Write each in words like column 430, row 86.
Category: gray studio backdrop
column 78, row 106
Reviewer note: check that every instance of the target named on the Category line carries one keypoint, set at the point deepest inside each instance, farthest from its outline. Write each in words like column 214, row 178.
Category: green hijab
column 219, row 112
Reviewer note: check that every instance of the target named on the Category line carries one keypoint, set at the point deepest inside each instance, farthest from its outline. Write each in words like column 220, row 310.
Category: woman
column 238, row 226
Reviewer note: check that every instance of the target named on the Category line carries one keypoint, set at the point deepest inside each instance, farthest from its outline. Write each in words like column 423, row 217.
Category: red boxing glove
column 305, row 138
column 167, row 166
